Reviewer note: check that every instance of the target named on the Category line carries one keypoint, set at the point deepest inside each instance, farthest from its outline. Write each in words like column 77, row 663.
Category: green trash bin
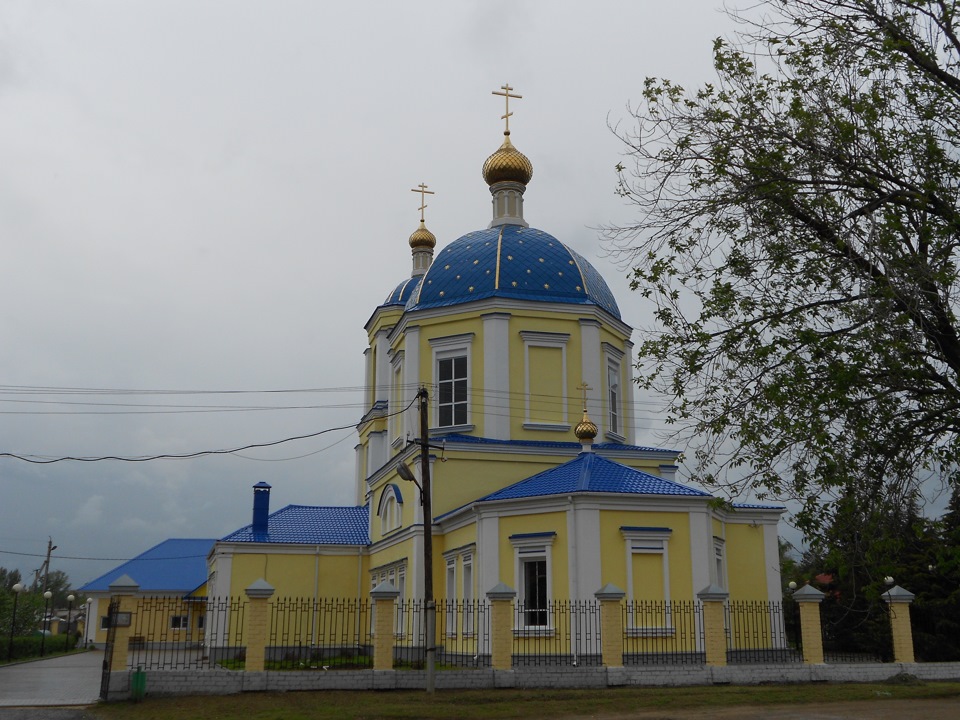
column 138, row 684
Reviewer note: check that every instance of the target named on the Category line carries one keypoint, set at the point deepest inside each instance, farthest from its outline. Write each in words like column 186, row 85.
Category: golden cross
column 583, row 387
column 423, row 196
column 506, row 96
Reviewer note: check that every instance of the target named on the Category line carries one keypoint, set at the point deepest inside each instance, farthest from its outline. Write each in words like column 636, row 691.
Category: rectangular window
column 613, row 397
column 104, row 622
column 720, row 574
column 535, row 592
column 451, row 591
column 468, row 616
column 452, row 391
column 179, row 622
column 200, row 622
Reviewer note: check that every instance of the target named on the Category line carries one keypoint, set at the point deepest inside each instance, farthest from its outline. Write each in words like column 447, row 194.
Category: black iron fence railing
column 936, row 630
column 657, row 633
column 178, row 633
column 324, row 634
column 557, row 633
column 757, row 633
column 855, row 632
column 461, row 637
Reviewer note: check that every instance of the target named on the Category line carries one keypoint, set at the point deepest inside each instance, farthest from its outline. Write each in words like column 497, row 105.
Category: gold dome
column 507, row 165
column 422, row 237
column 585, row 429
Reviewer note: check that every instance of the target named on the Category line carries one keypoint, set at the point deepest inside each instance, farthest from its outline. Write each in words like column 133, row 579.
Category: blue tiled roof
column 311, row 525
column 589, row 472
column 510, row 261
column 176, row 565
column 754, row 506
column 402, row 292
column 548, row 444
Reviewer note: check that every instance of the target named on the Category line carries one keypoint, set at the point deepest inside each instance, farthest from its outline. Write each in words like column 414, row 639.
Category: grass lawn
column 468, row 704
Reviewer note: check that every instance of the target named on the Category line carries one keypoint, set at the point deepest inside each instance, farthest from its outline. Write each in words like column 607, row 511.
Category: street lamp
column 89, row 629
column 43, row 625
column 70, row 599
column 17, row 589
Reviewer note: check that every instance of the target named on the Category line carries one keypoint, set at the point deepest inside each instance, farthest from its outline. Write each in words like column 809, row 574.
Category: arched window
column 391, row 502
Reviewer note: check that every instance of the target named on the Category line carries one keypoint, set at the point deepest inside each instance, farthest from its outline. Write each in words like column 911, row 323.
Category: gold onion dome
column 507, row 165
column 585, row 429
column 422, row 237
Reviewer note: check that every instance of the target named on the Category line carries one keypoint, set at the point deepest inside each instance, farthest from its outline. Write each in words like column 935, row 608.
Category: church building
column 535, row 479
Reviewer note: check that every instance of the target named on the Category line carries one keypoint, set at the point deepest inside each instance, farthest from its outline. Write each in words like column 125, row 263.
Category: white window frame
column 451, row 595
column 396, row 399
column 614, row 393
column 648, row 541
column 547, row 340
column 466, row 582
column 104, row 622
column 179, row 622
column 448, row 348
column 533, row 547
column 720, row 561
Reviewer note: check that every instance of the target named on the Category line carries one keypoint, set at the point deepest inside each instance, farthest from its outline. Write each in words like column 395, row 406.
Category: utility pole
column 427, row 502
column 46, row 565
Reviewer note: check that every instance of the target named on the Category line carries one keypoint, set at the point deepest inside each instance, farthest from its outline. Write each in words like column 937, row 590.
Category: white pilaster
column 771, row 557
column 496, row 376
column 630, row 394
column 382, row 380
column 583, row 527
column 591, row 357
column 411, row 380
column 701, row 548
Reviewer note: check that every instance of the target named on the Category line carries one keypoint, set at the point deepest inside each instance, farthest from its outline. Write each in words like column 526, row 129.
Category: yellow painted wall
column 614, row 550
column 297, row 575
column 455, row 539
column 717, row 525
column 746, row 564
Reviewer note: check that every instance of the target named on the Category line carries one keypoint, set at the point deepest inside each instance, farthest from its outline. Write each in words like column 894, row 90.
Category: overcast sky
column 214, row 196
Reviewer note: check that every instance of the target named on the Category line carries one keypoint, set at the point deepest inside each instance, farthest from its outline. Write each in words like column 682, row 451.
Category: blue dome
column 512, row 262
column 402, row 292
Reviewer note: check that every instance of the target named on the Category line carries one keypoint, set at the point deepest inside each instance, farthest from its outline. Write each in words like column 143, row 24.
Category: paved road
column 64, row 680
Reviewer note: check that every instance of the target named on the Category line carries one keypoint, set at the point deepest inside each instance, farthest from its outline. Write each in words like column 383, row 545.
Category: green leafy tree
column 799, row 234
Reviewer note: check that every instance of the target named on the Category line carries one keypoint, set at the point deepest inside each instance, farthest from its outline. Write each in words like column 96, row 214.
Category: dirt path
column 938, row 709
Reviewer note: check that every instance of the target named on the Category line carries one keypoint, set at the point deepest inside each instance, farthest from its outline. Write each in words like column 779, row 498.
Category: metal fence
column 462, row 637
column 855, row 632
column 560, row 632
column 757, row 633
column 322, row 634
column 177, row 633
column 657, row 633
column 936, row 630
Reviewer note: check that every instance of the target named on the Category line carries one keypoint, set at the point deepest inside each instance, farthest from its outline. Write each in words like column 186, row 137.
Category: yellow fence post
column 256, row 622
column 898, row 608
column 384, row 596
column 714, row 627
column 611, row 624
column 811, row 632
column 123, row 590
column 501, row 626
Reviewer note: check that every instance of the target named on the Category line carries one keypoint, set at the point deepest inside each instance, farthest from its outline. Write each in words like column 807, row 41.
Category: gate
column 108, row 650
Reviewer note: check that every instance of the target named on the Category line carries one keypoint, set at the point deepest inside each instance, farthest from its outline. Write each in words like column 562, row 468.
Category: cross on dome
column 506, row 96
column 422, row 189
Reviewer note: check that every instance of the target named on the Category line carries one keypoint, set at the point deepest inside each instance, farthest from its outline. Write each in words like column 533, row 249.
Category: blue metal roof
column 400, row 294
column 310, row 525
column 510, row 261
column 176, row 565
column 591, row 473
column 754, row 506
column 551, row 444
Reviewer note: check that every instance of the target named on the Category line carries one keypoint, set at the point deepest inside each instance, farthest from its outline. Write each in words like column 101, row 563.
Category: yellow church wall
column 746, row 564
column 717, row 525
column 560, row 560
column 454, row 539
column 297, row 575
column 613, row 553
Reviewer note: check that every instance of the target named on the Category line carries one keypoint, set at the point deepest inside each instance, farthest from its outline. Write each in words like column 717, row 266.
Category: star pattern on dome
column 529, row 264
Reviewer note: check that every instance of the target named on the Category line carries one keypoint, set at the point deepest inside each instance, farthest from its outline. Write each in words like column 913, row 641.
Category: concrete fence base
column 161, row 683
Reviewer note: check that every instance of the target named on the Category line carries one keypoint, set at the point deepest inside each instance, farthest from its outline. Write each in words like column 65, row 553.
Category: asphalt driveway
column 64, row 680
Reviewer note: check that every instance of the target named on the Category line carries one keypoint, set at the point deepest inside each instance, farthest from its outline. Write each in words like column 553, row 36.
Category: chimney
column 261, row 507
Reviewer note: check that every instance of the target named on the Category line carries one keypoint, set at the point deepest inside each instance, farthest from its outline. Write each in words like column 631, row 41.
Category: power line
column 100, row 559
column 41, row 460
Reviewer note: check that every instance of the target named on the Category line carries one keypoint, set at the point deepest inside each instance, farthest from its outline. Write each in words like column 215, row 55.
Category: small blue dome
column 512, row 262
column 402, row 292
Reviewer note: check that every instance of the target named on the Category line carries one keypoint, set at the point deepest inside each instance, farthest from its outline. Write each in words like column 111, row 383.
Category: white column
column 591, row 362
column 629, row 395
column 701, row 548
column 488, row 550
column 367, row 379
column 771, row 553
column 382, row 391
column 411, row 380
column 496, row 376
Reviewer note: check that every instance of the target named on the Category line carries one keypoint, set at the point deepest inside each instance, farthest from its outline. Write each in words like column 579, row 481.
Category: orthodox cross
column 583, row 387
column 422, row 189
column 506, row 96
